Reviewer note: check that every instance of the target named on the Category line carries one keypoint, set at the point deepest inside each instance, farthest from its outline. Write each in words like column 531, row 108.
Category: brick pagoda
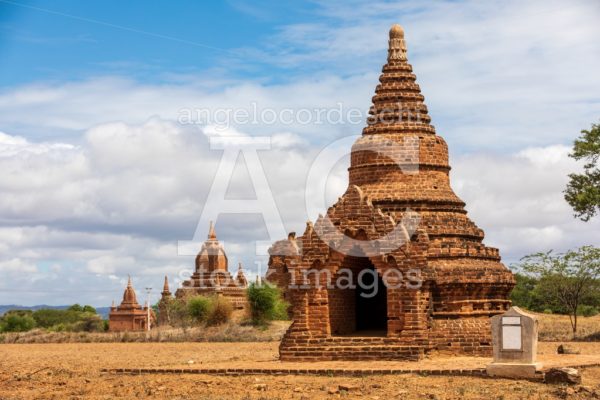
column 212, row 277
column 129, row 315
column 163, row 304
column 399, row 219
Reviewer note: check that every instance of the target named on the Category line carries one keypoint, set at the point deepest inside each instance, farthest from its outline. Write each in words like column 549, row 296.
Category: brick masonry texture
column 399, row 214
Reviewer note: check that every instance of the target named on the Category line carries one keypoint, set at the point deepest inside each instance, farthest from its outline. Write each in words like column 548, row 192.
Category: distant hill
column 103, row 311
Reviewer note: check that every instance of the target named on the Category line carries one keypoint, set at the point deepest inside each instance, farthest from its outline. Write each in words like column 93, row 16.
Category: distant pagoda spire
column 129, row 296
column 212, row 235
column 166, row 292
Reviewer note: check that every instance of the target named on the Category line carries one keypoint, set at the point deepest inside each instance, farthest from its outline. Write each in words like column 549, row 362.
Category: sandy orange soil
column 72, row 370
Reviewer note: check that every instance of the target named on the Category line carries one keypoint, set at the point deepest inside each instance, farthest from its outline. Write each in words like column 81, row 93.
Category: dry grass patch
column 554, row 328
column 229, row 332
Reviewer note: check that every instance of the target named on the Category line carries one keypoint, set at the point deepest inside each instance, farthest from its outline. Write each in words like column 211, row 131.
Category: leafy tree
column 178, row 313
column 89, row 309
column 567, row 280
column 14, row 322
column 74, row 318
column 583, row 190
column 266, row 303
column 199, row 308
column 75, row 307
column 89, row 323
column 587, row 310
column 48, row 317
column 523, row 293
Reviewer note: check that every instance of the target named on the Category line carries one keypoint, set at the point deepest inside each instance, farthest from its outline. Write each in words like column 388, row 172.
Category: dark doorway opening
column 371, row 302
column 355, row 307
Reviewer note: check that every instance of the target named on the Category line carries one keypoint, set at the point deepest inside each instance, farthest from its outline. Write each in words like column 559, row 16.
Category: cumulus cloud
column 517, row 199
column 118, row 202
column 17, row 265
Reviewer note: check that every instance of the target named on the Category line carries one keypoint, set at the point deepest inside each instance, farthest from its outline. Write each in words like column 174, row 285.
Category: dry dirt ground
column 72, row 371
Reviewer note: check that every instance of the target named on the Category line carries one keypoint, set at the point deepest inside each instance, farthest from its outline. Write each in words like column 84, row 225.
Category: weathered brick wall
column 127, row 321
column 342, row 302
column 466, row 335
column 399, row 189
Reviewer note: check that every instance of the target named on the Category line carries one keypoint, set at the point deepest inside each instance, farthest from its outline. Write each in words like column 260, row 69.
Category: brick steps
column 358, row 351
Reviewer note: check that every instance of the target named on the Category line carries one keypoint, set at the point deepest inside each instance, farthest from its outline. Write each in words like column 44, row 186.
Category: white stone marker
column 514, row 341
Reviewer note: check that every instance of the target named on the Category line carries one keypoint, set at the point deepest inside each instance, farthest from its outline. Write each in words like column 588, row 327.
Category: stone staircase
column 350, row 348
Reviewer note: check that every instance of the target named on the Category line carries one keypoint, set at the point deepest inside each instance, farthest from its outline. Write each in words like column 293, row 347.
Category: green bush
column 47, row 318
column 75, row 307
column 281, row 312
column 199, row 308
column 220, row 311
column 74, row 318
column 587, row 311
column 88, row 323
column 548, row 311
column 13, row 322
column 89, row 309
column 266, row 304
column 178, row 311
column 58, row 328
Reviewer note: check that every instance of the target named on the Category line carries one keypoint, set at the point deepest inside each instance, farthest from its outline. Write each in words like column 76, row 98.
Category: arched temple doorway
column 357, row 299
column 371, row 302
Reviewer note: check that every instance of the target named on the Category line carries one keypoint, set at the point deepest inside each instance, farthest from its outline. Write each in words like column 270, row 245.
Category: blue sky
column 100, row 178
column 146, row 40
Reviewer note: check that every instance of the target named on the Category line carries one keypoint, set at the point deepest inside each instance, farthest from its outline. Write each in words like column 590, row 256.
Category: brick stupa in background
column 211, row 275
column 404, row 194
column 129, row 315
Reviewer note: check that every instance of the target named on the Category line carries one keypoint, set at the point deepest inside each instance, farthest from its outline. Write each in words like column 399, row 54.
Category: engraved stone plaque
column 511, row 320
column 511, row 337
column 514, row 338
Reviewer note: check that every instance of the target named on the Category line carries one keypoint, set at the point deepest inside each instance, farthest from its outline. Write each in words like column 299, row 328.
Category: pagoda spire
column 398, row 105
column 129, row 297
column 211, row 232
column 166, row 291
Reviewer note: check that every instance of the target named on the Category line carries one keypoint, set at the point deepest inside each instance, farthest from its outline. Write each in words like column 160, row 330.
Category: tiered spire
column 129, row 297
column 398, row 105
column 166, row 291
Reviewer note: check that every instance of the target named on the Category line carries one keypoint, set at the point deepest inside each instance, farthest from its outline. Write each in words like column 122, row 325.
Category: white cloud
column 16, row 266
column 108, row 265
column 518, row 200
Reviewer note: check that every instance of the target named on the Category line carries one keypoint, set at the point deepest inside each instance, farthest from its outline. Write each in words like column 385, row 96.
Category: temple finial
column 396, row 31
column 129, row 281
column 166, row 285
column 397, row 45
column 211, row 231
